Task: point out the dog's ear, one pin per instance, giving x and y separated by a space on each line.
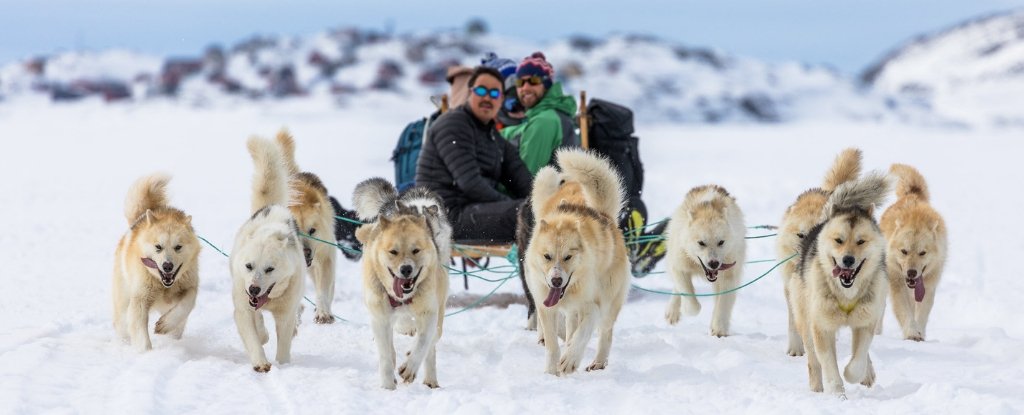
384 222
433 210
149 217
899 224
188 219
543 225
935 227
366 233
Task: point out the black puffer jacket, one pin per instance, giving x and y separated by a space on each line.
464 160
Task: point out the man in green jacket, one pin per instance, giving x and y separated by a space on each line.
549 114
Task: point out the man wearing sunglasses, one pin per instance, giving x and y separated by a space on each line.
549 113
477 174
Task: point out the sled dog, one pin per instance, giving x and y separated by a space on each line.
916 251
841 281
706 239
314 214
407 242
577 264
267 261
156 265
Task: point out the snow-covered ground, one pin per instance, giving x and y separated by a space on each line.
64 171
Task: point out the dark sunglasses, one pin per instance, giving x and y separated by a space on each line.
481 91
532 80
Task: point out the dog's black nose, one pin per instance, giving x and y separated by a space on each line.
557 281
254 291
849 260
714 264
168 266
406 270
912 273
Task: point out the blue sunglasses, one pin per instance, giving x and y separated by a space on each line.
482 92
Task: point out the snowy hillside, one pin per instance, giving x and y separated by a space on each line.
66 169
661 80
970 74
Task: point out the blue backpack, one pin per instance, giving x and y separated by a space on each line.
407 151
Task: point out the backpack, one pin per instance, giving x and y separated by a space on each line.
407 151
611 134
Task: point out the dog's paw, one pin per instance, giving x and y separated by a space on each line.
816 387
568 364
432 383
323 318
597 366
719 332
261 367
389 385
407 373
672 315
914 335
854 372
161 327
869 380
795 352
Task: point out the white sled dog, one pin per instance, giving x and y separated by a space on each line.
577 263
916 251
313 212
842 282
797 222
156 265
267 260
705 238
406 243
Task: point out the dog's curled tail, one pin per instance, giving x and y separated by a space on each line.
865 194
602 185
909 182
270 176
287 143
545 185
845 168
371 195
147 193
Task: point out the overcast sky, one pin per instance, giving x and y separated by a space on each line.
847 34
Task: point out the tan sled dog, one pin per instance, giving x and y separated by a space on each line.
156 265
267 261
311 207
577 263
842 283
706 239
916 252
405 284
797 222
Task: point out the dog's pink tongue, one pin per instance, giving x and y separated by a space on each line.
262 300
919 291
554 295
396 286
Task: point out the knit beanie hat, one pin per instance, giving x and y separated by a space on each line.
507 68
536 64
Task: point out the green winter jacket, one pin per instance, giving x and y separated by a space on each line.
543 130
